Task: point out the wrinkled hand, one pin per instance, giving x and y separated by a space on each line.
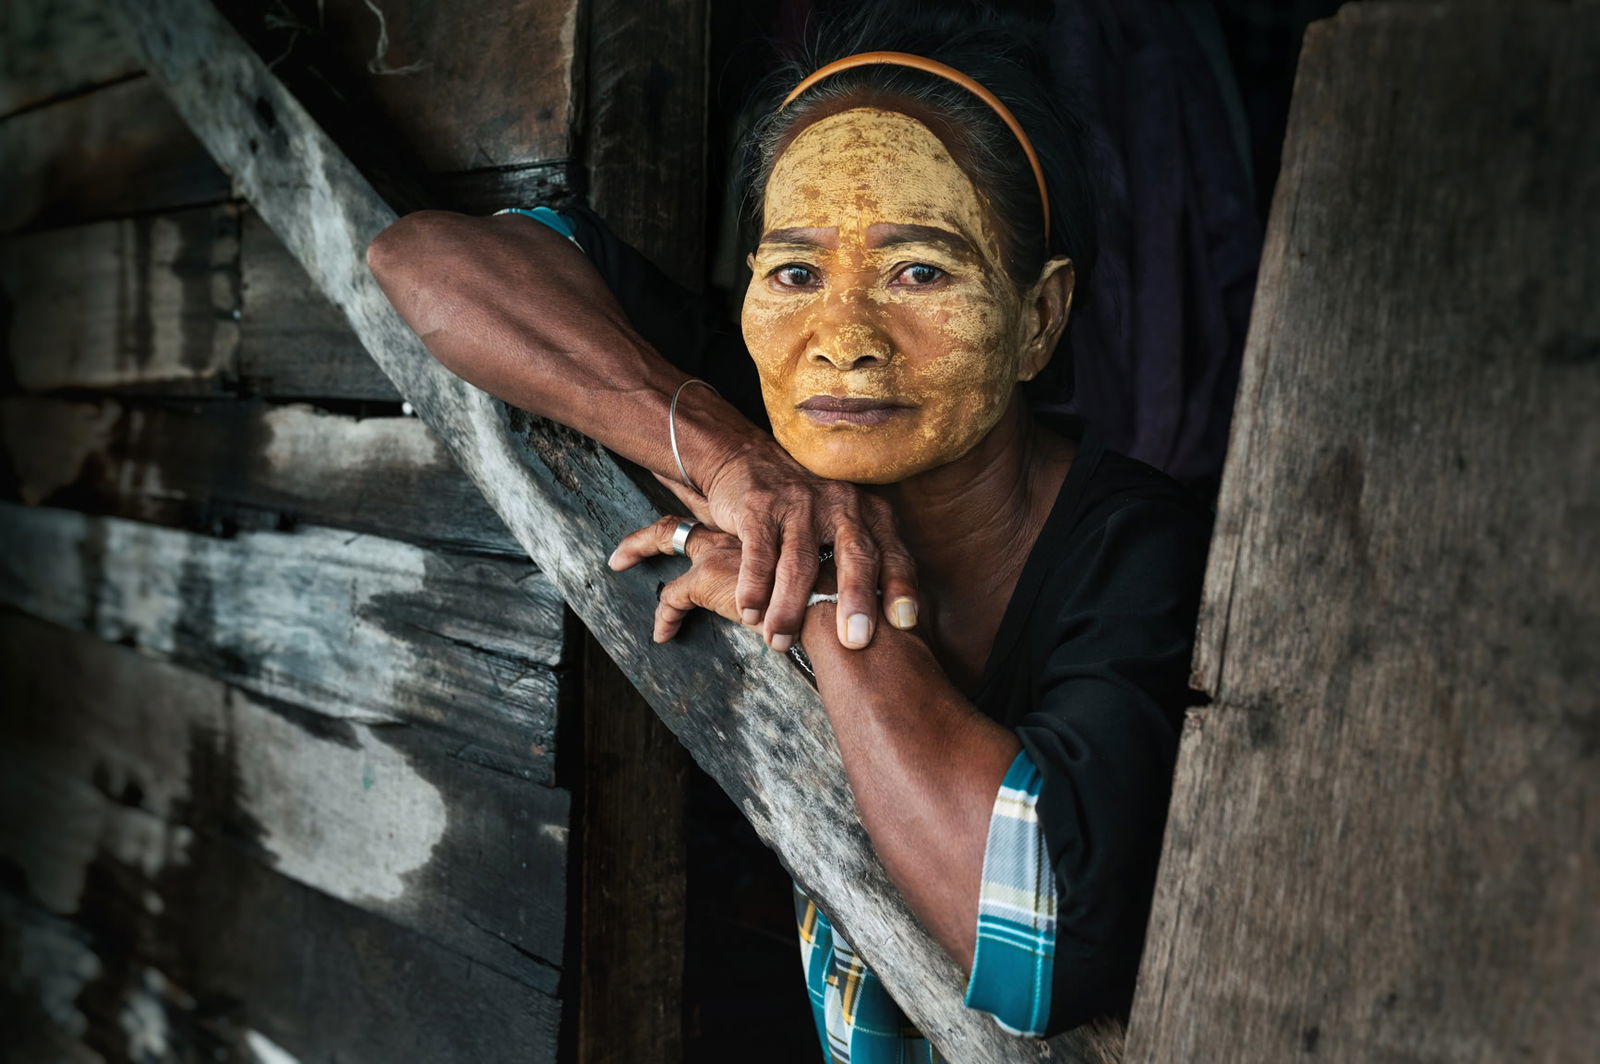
782 514
709 584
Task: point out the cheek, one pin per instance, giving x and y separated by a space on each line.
768 330
976 341
773 334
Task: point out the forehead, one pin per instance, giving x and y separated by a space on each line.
868 165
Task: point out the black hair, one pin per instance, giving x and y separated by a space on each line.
997 46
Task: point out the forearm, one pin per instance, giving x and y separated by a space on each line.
512 307
925 767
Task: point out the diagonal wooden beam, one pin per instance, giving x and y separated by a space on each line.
743 713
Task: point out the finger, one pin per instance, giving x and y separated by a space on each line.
897 572
856 558
647 542
675 604
758 564
795 576
692 500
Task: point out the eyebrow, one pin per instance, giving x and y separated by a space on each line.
806 236
879 235
888 234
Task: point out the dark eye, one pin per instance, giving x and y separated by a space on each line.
795 275
919 273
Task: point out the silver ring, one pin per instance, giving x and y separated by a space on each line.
680 538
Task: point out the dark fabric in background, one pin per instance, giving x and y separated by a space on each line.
1157 343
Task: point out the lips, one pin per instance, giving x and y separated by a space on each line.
851 410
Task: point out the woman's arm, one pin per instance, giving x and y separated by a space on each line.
925 767
511 306
1108 664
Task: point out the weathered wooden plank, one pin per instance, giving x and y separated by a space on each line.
222 466
51 48
191 302
351 626
384 818
463 87
44 964
199 950
645 138
633 902
1382 841
293 343
115 151
487 190
149 302
744 714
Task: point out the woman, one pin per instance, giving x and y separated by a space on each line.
1010 732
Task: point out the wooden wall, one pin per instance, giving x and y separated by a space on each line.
294 738
1383 840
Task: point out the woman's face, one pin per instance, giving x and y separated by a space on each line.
886 332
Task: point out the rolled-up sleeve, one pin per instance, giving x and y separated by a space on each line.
1103 736
1011 963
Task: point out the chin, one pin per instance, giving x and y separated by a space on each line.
858 465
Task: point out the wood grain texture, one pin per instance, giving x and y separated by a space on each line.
143 303
633 902
44 964
645 140
487 190
293 343
220 466
383 818
744 714
350 626
463 87
188 940
200 302
1383 840
645 135
116 151
52 48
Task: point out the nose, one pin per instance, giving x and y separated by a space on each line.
848 345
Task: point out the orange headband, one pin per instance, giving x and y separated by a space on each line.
929 66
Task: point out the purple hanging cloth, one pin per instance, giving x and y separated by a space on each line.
1157 343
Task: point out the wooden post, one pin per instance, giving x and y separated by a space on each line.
744 714
644 151
631 946
1382 843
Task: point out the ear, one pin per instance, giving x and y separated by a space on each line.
1045 308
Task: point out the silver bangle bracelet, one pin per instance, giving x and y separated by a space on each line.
672 429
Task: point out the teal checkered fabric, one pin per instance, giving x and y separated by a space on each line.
859 1023
1016 947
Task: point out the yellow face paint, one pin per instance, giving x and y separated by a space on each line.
886 333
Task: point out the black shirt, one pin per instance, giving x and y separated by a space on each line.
1090 668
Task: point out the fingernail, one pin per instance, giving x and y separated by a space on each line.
611 562
855 630
781 643
751 617
905 613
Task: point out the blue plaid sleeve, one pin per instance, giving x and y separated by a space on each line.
1011 966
